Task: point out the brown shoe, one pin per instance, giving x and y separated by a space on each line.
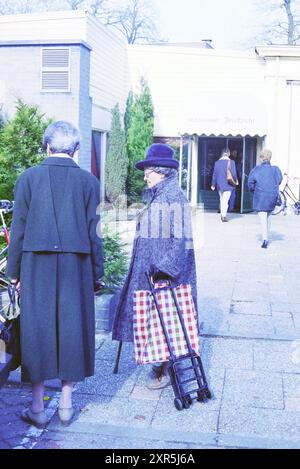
159 383
38 419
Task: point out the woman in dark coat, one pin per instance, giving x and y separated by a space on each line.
264 180
55 255
163 244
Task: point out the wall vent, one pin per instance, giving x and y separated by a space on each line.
55 70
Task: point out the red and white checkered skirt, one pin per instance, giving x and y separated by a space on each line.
150 345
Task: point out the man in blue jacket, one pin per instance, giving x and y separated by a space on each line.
220 180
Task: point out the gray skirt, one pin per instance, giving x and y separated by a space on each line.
57 316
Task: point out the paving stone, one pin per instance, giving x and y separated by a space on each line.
198 418
291 387
285 307
259 276
280 297
105 383
68 440
257 308
296 319
211 307
82 441
251 326
223 265
215 290
227 353
212 254
284 323
258 422
293 298
246 291
114 411
253 389
215 325
108 351
275 356
145 394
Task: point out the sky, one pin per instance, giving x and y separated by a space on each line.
231 24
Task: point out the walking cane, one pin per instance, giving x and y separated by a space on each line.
116 368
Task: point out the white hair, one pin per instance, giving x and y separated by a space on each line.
62 137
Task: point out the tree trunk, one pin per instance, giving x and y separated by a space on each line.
291 24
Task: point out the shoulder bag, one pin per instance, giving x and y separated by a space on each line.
230 179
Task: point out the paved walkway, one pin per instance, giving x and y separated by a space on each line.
249 307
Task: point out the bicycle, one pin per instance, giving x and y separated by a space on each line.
5 207
10 354
9 307
287 197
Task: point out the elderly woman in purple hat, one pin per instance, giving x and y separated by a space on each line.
163 244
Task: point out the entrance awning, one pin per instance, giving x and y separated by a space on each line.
223 114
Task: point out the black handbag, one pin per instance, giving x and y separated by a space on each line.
10 348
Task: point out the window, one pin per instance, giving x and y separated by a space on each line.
55 70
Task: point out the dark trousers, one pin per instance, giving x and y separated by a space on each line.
231 204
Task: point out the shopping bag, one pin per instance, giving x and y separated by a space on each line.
10 353
150 345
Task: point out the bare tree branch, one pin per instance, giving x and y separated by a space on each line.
17 6
135 21
75 4
283 21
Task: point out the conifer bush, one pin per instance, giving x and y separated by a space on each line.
20 145
140 122
117 161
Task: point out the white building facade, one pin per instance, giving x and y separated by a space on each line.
76 69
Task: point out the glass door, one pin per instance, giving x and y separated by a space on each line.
249 161
209 151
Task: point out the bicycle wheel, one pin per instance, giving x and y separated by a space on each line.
296 208
282 206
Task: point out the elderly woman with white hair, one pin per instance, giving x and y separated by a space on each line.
264 181
55 257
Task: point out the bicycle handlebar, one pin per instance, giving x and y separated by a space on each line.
291 177
6 205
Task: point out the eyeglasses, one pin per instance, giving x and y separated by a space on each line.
147 173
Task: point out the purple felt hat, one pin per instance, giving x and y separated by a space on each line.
158 154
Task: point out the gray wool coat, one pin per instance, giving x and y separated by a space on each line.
163 244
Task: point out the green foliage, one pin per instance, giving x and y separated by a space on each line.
117 161
128 112
20 145
139 137
2 121
115 261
